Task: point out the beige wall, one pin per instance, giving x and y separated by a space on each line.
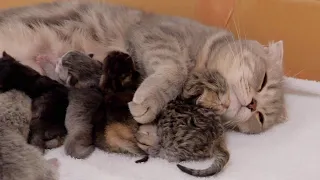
297 22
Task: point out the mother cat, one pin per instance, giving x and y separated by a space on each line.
165 50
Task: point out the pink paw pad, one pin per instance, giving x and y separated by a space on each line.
54 162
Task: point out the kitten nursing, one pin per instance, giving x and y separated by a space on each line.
49 101
18 159
102 111
181 125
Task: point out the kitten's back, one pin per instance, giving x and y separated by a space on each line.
18 159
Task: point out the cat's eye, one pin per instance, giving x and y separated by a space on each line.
261 117
264 82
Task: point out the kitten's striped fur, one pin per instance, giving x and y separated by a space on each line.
165 49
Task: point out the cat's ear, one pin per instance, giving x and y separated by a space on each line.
275 52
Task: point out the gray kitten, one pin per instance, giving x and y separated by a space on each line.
81 74
19 160
185 131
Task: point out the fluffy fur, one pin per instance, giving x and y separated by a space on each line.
186 131
18 159
165 48
49 100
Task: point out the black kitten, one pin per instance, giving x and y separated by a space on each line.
49 101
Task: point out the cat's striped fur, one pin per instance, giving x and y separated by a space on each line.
165 49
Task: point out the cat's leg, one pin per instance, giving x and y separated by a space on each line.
83 105
155 92
78 143
148 139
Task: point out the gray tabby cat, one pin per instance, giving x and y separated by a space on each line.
165 48
185 131
19 160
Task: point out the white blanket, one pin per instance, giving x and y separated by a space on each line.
290 151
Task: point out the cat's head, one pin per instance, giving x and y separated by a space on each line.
209 89
254 74
76 69
14 75
119 73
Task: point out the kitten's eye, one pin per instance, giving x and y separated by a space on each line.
261 117
264 82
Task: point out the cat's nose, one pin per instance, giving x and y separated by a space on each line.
253 105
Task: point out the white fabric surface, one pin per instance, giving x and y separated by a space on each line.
290 151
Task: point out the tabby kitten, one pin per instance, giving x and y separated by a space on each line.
49 101
18 159
106 110
165 48
188 129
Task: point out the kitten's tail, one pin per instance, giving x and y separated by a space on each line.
221 158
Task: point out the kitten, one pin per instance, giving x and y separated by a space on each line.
19 160
49 101
105 111
118 83
188 129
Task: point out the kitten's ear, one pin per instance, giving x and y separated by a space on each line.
275 51
71 80
91 55
6 56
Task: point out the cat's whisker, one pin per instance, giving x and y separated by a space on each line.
237 27
229 44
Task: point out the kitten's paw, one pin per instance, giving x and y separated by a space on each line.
54 143
78 149
54 162
147 138
144 112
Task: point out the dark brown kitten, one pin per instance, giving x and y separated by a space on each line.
49 100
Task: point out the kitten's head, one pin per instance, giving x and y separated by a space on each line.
79 70
255 75
15 111
14 75
209 88
119 73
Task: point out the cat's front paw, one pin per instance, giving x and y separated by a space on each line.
148 139
145 111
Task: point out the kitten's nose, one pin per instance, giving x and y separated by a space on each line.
253 105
